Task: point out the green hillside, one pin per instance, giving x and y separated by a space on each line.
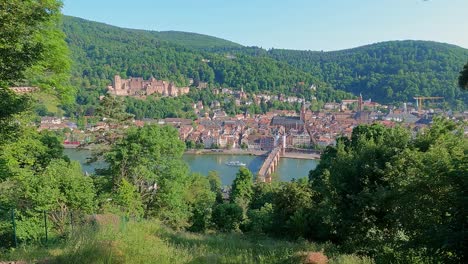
152 242
388 71
186 39
100 51
196 41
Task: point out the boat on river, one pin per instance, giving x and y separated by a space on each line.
235 163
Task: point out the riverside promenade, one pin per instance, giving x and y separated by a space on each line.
287 154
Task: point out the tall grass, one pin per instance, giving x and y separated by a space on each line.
150 242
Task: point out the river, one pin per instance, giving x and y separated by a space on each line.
288 169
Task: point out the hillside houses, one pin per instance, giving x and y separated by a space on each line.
214 128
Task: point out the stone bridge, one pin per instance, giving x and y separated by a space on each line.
270 164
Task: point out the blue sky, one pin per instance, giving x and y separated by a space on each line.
291 24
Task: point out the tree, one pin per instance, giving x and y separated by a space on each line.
215 185
10 106
190 144
432 181
151 159
32 51
227 217
201 199
128 200
112 109
242 191
60 188
263 193
32 47
291 205
463 79
21 43
34 174
394 196
261 220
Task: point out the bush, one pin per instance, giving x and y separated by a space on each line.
227 217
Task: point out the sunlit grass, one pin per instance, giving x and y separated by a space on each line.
150 242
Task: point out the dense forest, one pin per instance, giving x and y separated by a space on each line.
100 51
386 72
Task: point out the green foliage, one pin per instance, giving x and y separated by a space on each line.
392 71
128 199
291 204
151 159
100 51
201 199
59 189
228 217
159 108
28 154
215 185
34 175
21 43
261 220
242 192
263 193
194 40
76 190
190 144
463 79
32 47
112 108
360 186
10 106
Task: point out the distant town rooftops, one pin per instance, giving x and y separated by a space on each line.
286 121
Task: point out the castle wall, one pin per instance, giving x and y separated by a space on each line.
140 87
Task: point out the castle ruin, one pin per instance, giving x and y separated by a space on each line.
139 87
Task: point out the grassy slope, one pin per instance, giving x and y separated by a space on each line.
50 101
149 242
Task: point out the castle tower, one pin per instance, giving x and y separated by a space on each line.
117 82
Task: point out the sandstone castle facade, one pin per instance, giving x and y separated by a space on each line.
140 87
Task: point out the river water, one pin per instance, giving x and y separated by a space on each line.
288 169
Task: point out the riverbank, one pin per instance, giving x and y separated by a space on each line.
291 155
297 166
226 152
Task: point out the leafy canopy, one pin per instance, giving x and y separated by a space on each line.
463 79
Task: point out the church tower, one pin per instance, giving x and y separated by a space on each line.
360 103
303 111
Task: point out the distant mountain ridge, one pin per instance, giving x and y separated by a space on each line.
387 72
187 39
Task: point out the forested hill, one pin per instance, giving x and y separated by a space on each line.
100 51
387 71
189 40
